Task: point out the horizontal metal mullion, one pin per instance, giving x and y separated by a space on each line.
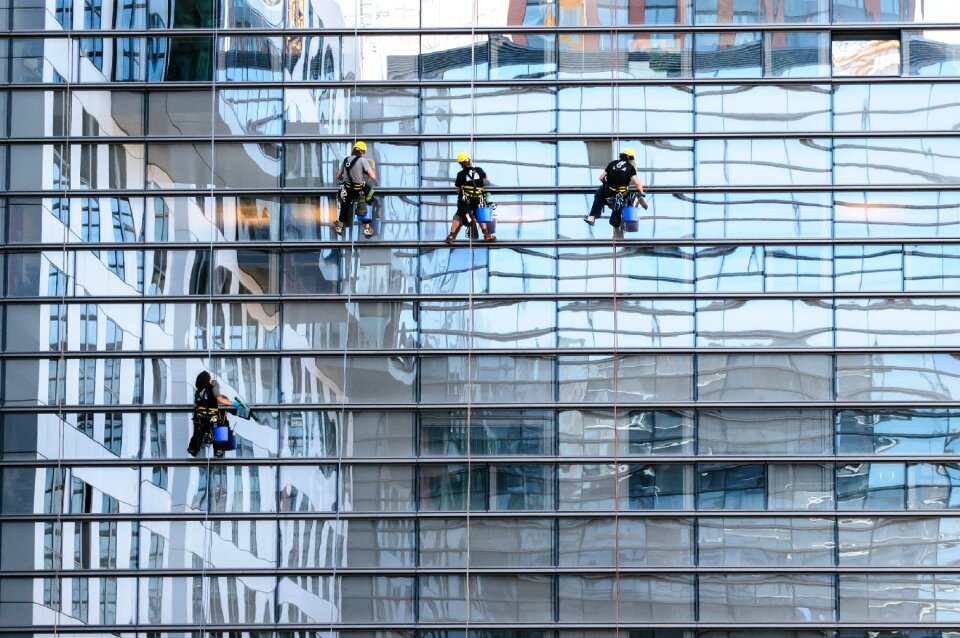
448 190
431 83
309 629
845 28
282 572
294 246
480 137
622 459
477 351
477 298
433 407
475 514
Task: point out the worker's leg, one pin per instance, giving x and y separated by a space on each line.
196 440
599 201
616 217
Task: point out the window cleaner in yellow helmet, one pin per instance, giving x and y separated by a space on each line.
470 196
352 176
615 181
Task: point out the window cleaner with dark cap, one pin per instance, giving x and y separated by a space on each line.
352 175
616 180
470 196
208 413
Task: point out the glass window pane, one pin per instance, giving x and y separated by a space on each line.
905 597
865 57
334 380
314 58
736 55
590 379
334 326
894 542
871 486
591 269
641 542
755 597
914 160
764 323
873 267
764 377
745 162
887 107
516 109
930 486
642 109
493 379
593 599
765 542
490 432
898 431
180 59
639 323
657 487
377 488
898 377
515 56
881 322
180 165
797 54
738 12
528 324
639 433
37 113
774 432
735 108
933 53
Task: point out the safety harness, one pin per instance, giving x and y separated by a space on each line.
348 164
472 190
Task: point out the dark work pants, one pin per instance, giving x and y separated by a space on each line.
600 200
346 204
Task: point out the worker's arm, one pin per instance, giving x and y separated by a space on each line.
372 174
603 176
639 184
224 401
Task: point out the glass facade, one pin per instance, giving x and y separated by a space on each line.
737 422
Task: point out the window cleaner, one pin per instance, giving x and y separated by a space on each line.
210 424
352 175
615 180
470 196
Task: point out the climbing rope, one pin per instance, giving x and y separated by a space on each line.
615 123
354 261
476 225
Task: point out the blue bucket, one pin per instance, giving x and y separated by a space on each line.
221 434
492 225
631 227
484 214
631 214
231 442
365 216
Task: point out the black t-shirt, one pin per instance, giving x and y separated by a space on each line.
206 397
473 176
619 172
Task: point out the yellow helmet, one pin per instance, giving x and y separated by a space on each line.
628 152
361 146
463 156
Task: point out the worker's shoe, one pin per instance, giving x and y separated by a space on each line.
489 237
449 239
590 219
338 227
367 232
